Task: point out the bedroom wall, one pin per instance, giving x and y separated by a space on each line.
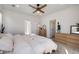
66 17
14 21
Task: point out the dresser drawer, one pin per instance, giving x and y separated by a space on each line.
67 38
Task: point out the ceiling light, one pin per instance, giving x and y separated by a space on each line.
15 6
38 12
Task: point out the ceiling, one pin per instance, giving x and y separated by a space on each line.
50 8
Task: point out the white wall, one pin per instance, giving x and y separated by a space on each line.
14 21
66 17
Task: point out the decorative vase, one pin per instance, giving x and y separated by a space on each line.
58 27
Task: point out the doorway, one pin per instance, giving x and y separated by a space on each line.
27 27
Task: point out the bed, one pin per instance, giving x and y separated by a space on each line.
26 44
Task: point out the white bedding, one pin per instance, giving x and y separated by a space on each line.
26 44
21 46
33 44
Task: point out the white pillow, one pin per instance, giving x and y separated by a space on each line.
8 35
6 43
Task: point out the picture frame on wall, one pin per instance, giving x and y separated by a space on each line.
74 29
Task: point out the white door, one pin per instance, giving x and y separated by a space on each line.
52 28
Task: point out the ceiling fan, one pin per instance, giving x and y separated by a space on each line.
38 8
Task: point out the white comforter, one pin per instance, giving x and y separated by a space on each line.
32 44
21 46
26 44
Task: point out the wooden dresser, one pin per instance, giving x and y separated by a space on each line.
70 39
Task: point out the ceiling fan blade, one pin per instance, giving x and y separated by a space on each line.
32 6
43 6
35 11
41 11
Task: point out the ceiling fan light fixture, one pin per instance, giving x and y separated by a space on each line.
38 12
38 8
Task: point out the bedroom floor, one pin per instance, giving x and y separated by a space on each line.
65 49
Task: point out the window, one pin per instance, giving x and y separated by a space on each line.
27 27
0 18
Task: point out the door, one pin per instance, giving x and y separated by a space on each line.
52 28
